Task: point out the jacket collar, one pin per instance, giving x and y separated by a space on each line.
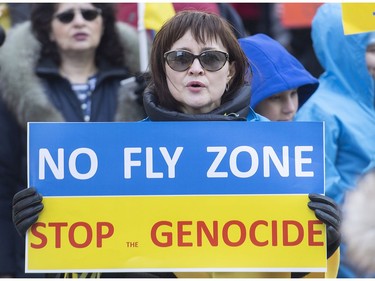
237 109
46 67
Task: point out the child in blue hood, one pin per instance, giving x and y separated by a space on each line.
280 83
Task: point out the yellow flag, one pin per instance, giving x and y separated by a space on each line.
358 17
4 16
156 14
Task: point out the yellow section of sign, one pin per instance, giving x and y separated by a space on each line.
220 233
358 17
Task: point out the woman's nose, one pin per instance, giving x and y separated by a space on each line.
196 67
78 18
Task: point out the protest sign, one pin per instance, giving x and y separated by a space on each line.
176 196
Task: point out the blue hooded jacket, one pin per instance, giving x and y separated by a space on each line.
275 70
345 102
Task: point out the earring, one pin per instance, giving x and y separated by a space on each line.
227 87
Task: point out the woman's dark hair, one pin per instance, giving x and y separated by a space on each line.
109 48
204 27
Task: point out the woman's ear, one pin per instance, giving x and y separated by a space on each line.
231 72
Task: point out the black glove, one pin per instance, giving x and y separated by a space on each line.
27 204
328 212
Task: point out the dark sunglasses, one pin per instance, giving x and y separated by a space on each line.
88 14
209 60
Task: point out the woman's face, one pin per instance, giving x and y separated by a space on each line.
82 33
279 107
196 89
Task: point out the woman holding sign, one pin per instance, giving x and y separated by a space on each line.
200 73
203 77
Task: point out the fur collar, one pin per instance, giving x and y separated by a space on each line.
21 88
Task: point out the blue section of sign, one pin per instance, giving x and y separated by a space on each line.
176 158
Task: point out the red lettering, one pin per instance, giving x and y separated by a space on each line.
71 235
181 233
252 235
41 236
213 238
58 226
311 232
104 230
101 235
168 235
233 233
286 237
242 237
274 233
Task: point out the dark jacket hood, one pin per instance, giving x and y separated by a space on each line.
237 109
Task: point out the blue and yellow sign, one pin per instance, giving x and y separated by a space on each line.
176 196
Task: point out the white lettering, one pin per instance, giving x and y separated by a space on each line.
128 162
254 161
269 153
171 162
300 161
269 156
150 174
73 162
221 151
57 170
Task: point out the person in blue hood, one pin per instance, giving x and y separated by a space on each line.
345 102
280 83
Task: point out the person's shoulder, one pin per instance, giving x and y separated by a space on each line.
20 39
124 27
128 37
255 117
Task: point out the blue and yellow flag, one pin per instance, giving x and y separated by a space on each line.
358 17
156 14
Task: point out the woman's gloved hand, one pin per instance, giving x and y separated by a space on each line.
27 204
328 212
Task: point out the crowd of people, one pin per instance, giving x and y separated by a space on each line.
67 62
